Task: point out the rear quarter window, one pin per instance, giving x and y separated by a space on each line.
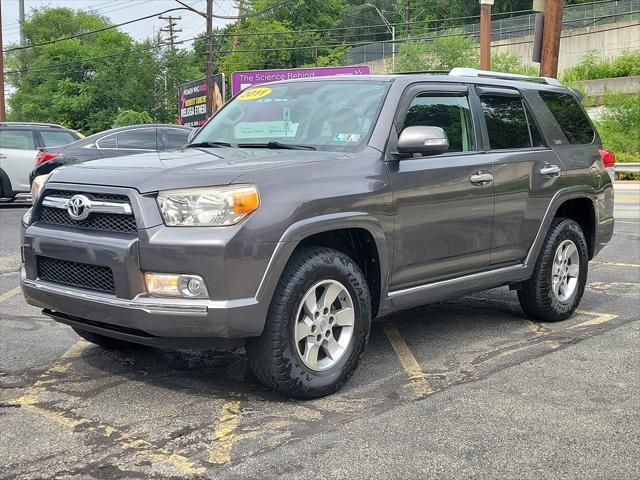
572 120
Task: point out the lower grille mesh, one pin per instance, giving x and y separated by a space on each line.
76 274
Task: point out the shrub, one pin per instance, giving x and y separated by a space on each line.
619 126
593 67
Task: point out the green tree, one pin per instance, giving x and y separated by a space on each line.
131 117
83 82
443 53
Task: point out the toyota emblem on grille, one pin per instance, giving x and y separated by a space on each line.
79 207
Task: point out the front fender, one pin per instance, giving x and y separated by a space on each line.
302 229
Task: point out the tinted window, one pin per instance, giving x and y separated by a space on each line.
569 115
107 142
506 122
53 139
452 114
176 138
137 139
17 139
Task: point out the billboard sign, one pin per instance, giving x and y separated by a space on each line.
192 100
242 80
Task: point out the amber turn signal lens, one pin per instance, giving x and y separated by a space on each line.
245 202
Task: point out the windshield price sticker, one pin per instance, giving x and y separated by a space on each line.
254 93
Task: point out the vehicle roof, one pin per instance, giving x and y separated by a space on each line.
32 125
408 78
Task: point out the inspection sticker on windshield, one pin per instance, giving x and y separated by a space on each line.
346 137
254 93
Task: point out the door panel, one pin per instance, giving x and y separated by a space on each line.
444 203
526 172
444 222
17 157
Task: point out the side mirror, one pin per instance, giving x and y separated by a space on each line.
192 134
424 140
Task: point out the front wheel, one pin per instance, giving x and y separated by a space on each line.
556 287
317 326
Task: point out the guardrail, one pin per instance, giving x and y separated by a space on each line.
630 167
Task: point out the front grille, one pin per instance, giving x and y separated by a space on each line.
108 222
108 197
75 274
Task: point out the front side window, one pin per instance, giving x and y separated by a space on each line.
54 139
335 115
143 139
570 116
451 113
17 139
509 124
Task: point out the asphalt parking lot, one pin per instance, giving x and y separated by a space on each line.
467 388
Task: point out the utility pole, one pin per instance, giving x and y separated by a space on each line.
485 34
3 111
170 30
407 18
21 21
209 65
551 38
236 39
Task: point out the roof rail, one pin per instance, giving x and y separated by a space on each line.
31 124
472 72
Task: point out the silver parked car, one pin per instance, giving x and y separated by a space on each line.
19 146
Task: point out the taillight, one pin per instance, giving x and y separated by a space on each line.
45 157
608 158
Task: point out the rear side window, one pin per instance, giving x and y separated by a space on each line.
17 139
450 113
509 123
176 138
570 116
53 139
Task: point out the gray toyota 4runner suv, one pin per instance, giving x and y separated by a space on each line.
304 209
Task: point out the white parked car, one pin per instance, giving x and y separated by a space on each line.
19 146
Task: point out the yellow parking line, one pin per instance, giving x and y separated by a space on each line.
599 318
225 434
408 361
9 294
614 264
144 449
538 328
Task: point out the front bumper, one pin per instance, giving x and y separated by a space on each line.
234 269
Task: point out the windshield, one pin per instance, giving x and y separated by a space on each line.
330 115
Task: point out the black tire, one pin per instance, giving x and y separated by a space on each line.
273 357
535 295
104 341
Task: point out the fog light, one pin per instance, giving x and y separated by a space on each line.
174 285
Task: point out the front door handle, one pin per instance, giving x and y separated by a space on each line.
550 170
481 178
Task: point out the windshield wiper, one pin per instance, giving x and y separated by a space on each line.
208 144
277 145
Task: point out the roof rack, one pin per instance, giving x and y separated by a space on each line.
472 72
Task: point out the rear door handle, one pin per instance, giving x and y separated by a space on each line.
550 170
481 178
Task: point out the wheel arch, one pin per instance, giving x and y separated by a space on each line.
583 212
358 235
5 185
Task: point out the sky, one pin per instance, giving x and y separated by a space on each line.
120 11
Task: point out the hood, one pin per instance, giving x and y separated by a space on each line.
191 167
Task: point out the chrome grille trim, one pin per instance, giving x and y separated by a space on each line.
94 206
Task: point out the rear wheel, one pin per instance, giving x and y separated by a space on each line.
556 287
104 341
317 326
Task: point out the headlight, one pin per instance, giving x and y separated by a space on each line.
215 206
37 185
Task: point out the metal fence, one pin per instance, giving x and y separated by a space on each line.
574 16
